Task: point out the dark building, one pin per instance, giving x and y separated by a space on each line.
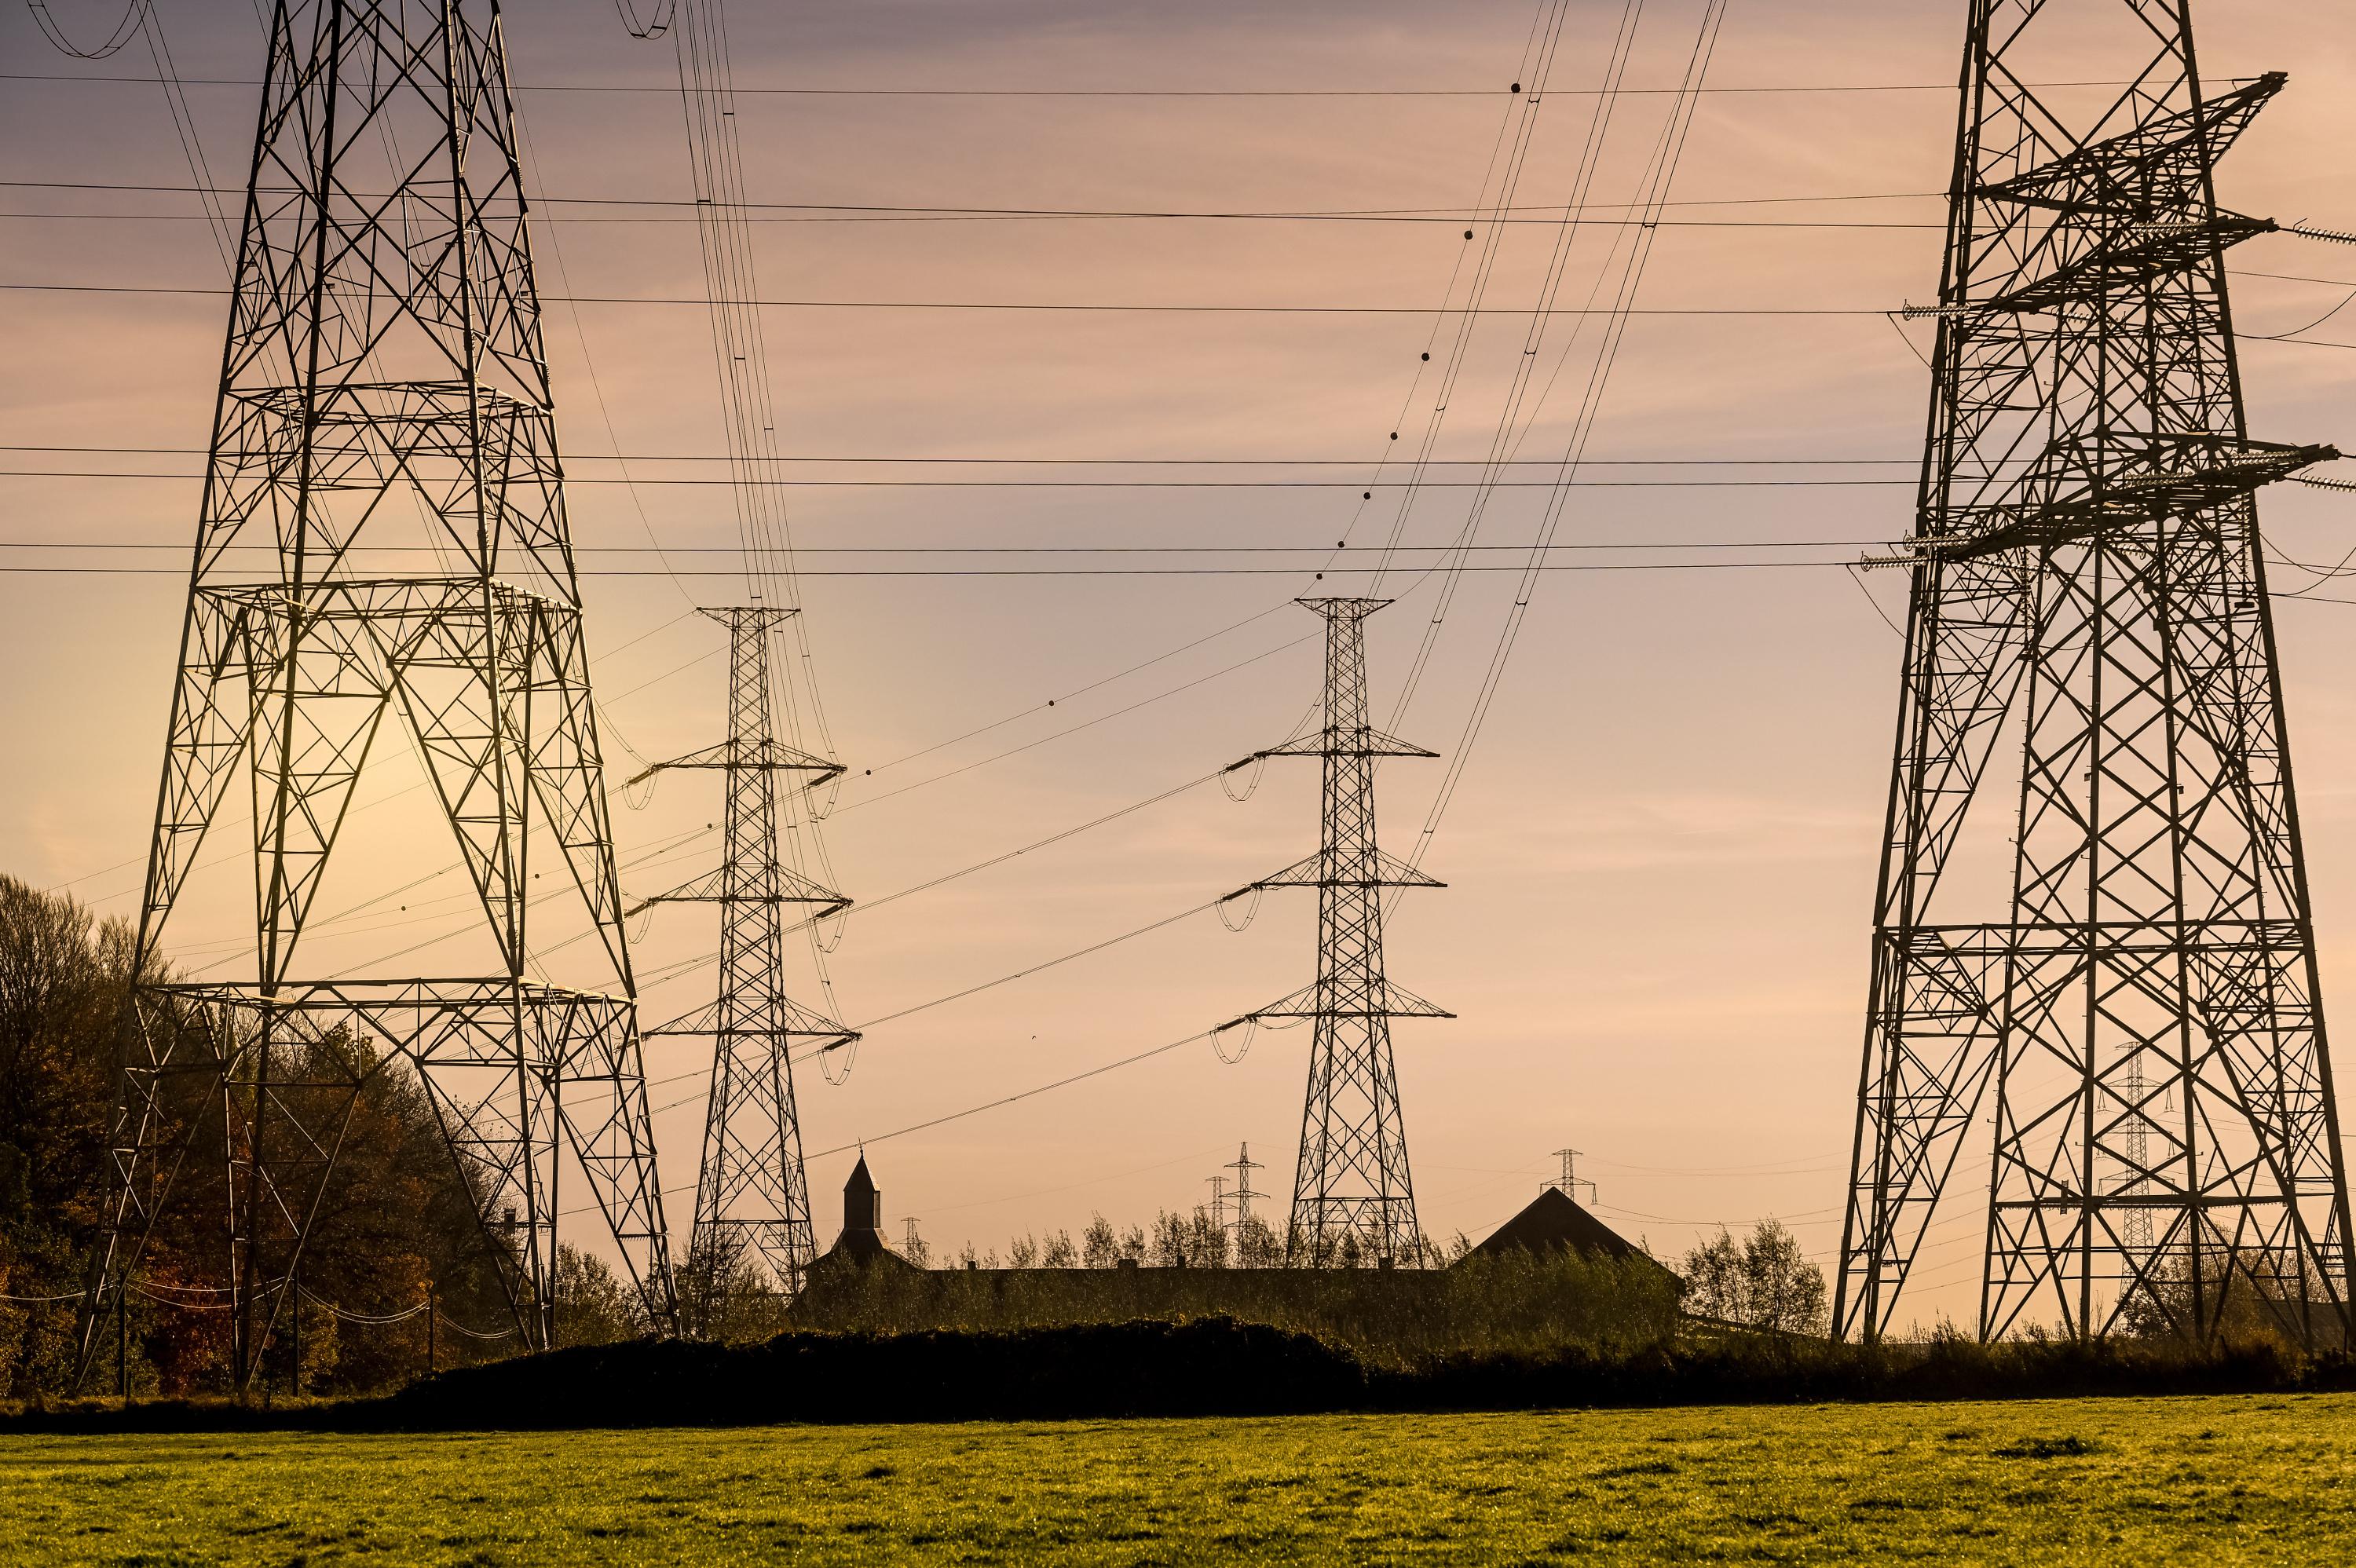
862 1215
861 1244
1554 1222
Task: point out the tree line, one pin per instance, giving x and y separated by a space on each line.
395 1229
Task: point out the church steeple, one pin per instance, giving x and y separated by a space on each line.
863 1214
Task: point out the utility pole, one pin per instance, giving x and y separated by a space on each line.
1350 1191
752 1202
1242 1191
2087 583
382 546
1569 1182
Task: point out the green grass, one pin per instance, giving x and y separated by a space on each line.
2214 1480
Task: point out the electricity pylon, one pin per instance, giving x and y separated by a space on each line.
1351 1193
751 1204
384 397
2087 583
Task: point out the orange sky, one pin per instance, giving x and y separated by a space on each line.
1660 858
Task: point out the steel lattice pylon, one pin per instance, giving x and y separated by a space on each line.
1350 1191
2143 1020
751 1204
384 400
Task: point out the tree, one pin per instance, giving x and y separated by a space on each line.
1256 1244
1099 1248
2243 1294
1060 1253
593 1305
1023 1252
396 1217
1169 1246
1713 1275
1206 1241
1762 1282
1784 1291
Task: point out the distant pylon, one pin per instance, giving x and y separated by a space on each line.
2089 597
751 1203
1218 1203
1570 1182
1242 1192
382 543
1350 1191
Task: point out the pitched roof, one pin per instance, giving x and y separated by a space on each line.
1555 1222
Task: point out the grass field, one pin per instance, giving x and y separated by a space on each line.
2215 1480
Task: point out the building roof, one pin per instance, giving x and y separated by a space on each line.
862 1238
1555 1222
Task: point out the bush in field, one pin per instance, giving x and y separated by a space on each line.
2244 1294
1762 1282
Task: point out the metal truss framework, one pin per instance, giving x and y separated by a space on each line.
1352 1194
2143 1022
751 1204
384 374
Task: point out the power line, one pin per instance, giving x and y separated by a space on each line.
866 214
671 89
1483 212
1076 571
1451 546
1127 462
1039 571
1107 307
635 481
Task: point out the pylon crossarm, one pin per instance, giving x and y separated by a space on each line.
2171 478
776 758
2133 257
1324 870
784 1019
2115 173
1345 740
715 888
1383 999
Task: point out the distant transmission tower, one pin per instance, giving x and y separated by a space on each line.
1570 1182
1242 1192
751 1204
382 543
1351 1193
2087 583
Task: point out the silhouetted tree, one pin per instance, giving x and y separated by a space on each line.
1763 1282
395 1212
